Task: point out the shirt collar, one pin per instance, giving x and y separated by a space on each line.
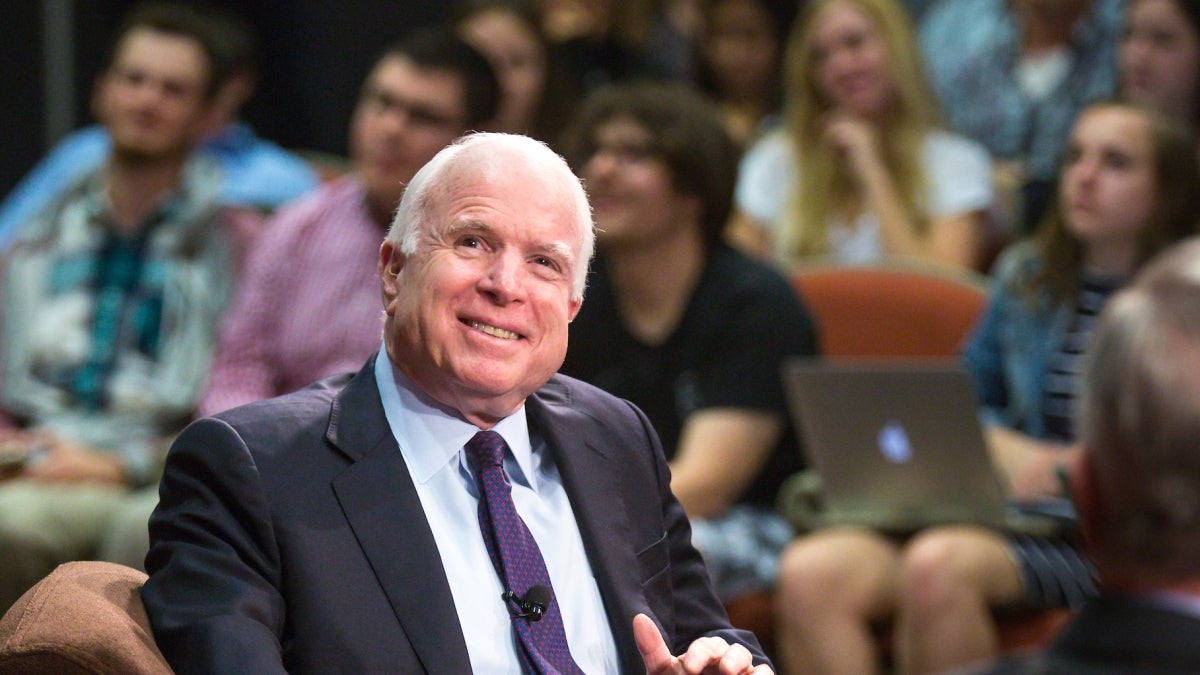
177 207
432 436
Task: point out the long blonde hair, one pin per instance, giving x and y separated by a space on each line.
825 186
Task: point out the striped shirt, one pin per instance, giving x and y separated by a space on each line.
1063 374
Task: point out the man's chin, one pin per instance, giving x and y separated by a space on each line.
144 153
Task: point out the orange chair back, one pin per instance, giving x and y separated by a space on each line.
890 311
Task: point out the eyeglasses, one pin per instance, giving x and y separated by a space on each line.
379 102
625 153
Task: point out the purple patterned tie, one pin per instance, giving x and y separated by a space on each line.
517 559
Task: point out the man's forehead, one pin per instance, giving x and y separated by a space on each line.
400 75
142 48
621 128
143 42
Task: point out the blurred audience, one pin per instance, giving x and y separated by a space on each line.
423 92
1136 483
509 34
1013 75
256 173
1159 58
862 169
1128 189
111 300
740 46
684 326
598 42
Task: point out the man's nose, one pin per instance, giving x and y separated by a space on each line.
502 278
601 164
1084 170
395 120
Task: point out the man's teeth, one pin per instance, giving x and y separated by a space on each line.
495 332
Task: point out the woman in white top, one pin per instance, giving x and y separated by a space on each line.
861 169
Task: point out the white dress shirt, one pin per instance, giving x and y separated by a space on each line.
431 439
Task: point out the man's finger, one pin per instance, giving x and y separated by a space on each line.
650 643
737 659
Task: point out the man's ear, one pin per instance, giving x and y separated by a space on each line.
391 261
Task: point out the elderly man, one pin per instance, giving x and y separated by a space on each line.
352 525
1136 485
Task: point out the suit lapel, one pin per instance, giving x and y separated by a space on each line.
590 480
381 504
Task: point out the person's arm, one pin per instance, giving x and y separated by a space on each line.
951 240
73 156
1031 466
720 452
54 459
724 445
213 594
957 239
765 177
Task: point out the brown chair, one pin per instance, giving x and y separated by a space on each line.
894 310
84 618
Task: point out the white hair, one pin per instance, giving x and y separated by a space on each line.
414 215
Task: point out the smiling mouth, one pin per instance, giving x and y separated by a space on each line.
493 331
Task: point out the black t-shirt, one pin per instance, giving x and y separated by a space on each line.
741 323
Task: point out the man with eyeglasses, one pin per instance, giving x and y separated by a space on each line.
684 326
422 93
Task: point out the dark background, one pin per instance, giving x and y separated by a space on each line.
315 55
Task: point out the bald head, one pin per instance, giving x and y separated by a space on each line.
483 156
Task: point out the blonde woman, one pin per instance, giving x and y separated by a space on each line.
862 169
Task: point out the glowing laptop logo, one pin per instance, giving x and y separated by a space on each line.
894 443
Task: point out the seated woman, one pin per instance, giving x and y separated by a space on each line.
1159 57
509 34
862 169
741 61
1128 188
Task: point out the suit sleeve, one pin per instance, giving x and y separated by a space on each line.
685 604
213 594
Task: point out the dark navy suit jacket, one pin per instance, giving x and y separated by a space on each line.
1114 636
289 536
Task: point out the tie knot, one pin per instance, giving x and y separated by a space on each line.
485 449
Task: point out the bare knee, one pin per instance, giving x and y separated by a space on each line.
850 573
947 568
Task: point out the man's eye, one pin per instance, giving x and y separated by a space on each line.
470 241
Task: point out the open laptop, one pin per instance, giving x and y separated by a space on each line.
899 447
